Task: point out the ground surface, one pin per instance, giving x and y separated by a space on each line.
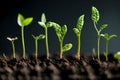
68 68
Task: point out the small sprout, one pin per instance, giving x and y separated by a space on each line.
61 32
117 55
107 37
45 26
36 38
22 22
4 55
13 46
77 31
95 18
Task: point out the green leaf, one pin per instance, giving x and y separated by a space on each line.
41 36
112 36
103 27
117 55
49 24
80 22
43 18
67 47
95 14
41 24
64 30
20 20
27 21
76 31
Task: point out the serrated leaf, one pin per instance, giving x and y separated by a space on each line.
117 55
43 18
107 36
20 20
49 24
103 27
27 21
64 30
80 22
67 47
95 14
76 31
41 24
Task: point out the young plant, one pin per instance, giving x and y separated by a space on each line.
61 32
77 31
45 26
13 46
22 22
117 55
36 38
95 18
107 37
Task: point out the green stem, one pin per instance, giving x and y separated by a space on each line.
79 46
36 48
23 42
61 51
13 47
46 41
107 42
95 27
98 46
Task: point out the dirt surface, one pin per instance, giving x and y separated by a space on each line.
68 68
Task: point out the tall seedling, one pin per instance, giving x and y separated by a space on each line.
45 26
22 22
61 32
95 18
77 31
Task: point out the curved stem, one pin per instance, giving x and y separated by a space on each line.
23 42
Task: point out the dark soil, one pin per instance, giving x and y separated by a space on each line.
68 68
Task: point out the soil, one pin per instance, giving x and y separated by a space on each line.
68 68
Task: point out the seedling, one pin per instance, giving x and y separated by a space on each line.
61 32
77 31
13 46
22 22
45 26
107 37
36 38
95 18
117 55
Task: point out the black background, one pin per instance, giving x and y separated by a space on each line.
62 12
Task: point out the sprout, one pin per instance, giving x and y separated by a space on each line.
36 38
22 22
45 26
61 32
117 55
95 18
77 31
107 37
13 46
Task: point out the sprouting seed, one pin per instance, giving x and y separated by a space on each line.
107 37
13 46
36 38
